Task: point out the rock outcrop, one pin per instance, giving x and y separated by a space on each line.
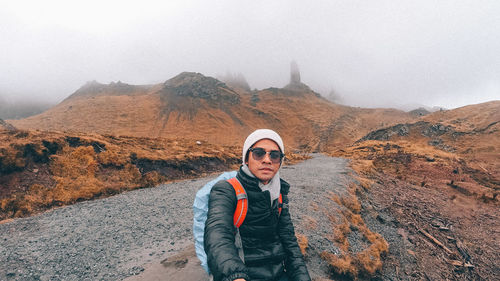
426 129
189 92
294 73
196 85
235 81
419 112
295 84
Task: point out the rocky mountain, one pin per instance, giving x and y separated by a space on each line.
419 111
194 106
439 178
189 92
467 137
466 130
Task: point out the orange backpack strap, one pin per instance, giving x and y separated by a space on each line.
280 204
242 205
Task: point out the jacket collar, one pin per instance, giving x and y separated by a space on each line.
252 183
247 181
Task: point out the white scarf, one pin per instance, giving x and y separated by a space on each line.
273 186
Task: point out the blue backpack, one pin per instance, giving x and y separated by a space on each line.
200 210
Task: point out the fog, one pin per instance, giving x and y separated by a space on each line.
369 53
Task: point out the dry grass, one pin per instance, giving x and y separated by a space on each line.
292 158
456 148
303 243
309 223
366 262
457 162
367 151
46 169
423 165
413 161
471 117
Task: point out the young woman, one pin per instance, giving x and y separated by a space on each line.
268 248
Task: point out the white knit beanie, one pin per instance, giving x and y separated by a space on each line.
261 134
274 185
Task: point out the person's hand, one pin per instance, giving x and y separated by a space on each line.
239 279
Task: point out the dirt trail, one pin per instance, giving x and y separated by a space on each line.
312 183
120 236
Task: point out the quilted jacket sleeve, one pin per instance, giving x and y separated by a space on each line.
295 265
222 255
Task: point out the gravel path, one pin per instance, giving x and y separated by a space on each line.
113 238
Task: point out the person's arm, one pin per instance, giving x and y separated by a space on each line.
222 255
294 264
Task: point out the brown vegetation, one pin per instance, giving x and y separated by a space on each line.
350 263
441 182
303 243
421 165
41 170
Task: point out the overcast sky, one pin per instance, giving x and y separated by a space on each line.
372 53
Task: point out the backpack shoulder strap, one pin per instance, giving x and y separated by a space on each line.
242 206
280 204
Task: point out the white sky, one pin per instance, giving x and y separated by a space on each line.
372 53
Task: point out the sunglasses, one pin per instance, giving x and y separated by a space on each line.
259 154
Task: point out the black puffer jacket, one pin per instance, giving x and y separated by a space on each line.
269 243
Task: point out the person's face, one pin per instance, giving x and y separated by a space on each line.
264 169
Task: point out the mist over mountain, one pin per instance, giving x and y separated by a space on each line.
195 106
374 55
235 80
22 108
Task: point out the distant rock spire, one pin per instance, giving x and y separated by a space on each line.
235 81
295 84
294 73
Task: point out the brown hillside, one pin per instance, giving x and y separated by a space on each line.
194 106
472 133
468 118
6 126
440 179
40 170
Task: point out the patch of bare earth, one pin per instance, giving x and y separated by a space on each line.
446 212
454 236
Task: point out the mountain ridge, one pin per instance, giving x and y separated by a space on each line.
94 88
195 106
